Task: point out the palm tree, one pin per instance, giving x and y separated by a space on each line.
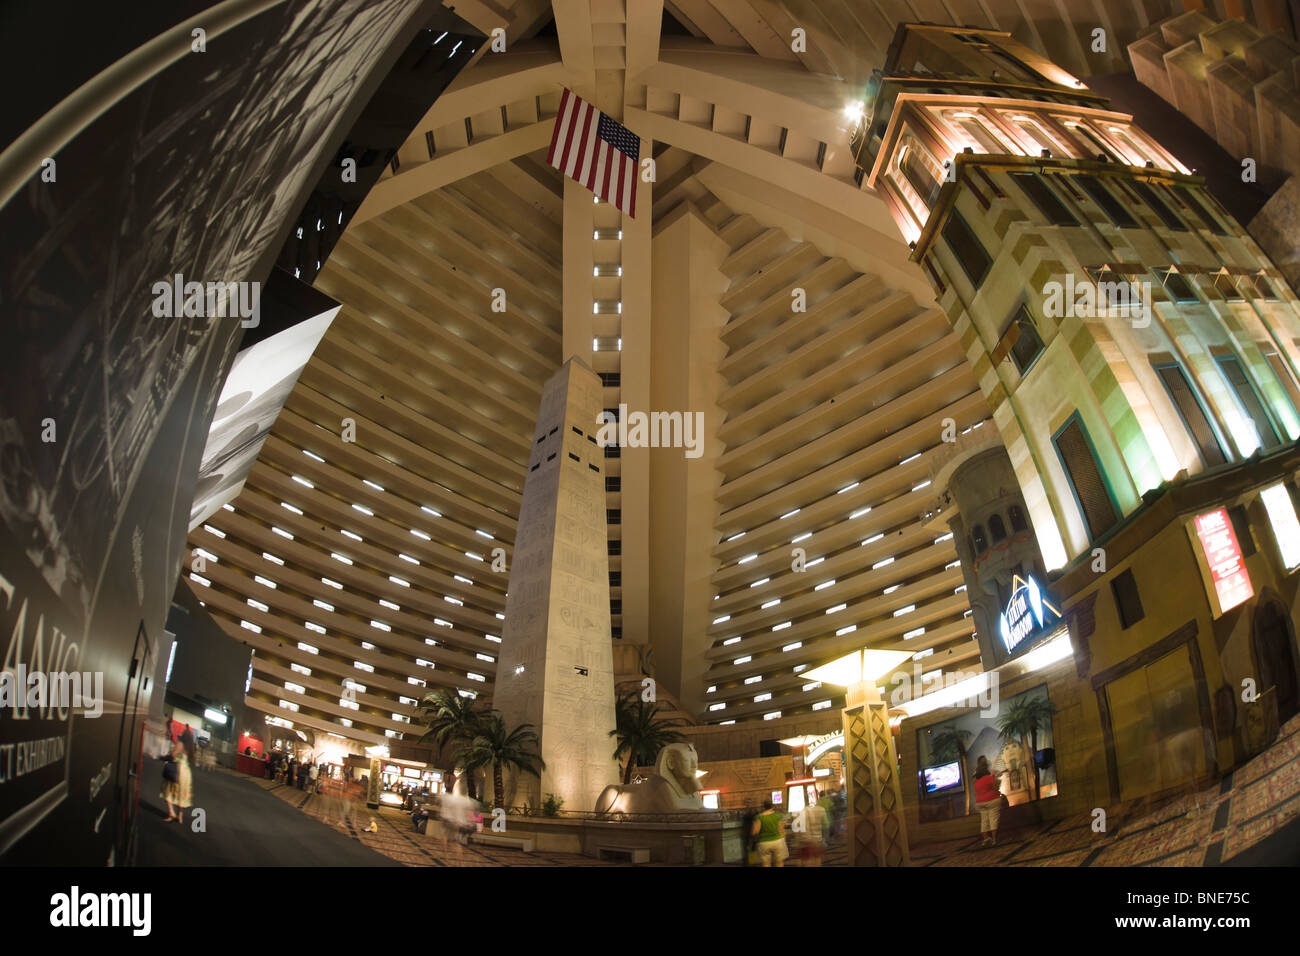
949 743
453 721
641 735
1024 718
494 746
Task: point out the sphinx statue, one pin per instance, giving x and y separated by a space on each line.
674 786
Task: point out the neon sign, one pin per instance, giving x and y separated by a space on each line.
1027 613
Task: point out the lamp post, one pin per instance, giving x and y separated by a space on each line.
877 827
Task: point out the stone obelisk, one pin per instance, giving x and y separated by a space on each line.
556 669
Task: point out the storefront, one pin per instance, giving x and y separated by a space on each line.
400 778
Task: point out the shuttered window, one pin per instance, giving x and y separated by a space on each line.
1193 415
1075 451
974 260
1282 373
1249 399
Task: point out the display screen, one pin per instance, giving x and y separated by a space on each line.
942 777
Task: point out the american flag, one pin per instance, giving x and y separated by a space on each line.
592 149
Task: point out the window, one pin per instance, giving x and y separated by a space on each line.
615 579
615 608
1200 212
919 175
611 451
1241 528
1027 346
613 516
1179 289
1044 197
1193 414
1249 399
997 529
615 546
974 260
1099 149
1226 287
980 541
1127 601
613 483
1074 448
1104 198
1158 206
1018 522
1280 372
609 379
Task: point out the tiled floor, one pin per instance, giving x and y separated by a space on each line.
1205 828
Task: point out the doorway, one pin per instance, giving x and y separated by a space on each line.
1274 640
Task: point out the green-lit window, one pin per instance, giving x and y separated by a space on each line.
1249 399
1191 411
1074 448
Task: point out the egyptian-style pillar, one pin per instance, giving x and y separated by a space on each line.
556 670
877 830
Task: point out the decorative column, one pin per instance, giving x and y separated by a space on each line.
877 831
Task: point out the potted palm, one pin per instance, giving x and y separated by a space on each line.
948 743
452 720
640 732
499 748
1024 718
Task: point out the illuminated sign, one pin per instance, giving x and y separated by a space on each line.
822 744
1286 529
1223 560
1027 613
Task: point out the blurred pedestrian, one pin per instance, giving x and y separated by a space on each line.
178 783
988 800
769 830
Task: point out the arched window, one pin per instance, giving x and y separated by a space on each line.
981 542
1018 522
997 528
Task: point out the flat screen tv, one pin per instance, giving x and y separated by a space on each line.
943 777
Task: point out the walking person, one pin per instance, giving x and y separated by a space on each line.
769 829
747 828
178 784
813 821
988 800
